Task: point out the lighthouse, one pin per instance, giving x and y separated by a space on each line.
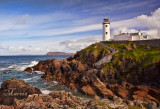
106 29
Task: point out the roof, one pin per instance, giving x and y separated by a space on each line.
134 34
106 21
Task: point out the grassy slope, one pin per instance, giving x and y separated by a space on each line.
138 57
93 49
143 55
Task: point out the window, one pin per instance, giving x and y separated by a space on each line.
106 33
106 26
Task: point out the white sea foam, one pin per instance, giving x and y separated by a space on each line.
55 82
2 69
46 91
27 79
20 67
39 72
23 67
35 78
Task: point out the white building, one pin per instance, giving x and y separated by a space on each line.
130 36
106 29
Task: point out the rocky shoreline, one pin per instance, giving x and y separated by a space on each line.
125 80
14 98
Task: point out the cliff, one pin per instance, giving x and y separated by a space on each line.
59 53
132 72
16 94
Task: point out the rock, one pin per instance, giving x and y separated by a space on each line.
66 98
130 103
88 90
98 107
117 99
56 99
96 98
6 107
14 88
152 105
79 73
137 102
71 73
29 69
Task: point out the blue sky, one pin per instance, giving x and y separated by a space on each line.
39 26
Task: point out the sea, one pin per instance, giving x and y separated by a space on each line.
14 66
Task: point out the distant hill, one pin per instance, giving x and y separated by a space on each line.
59 53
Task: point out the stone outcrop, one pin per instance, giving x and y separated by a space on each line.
14 88
55 100
72 74
135 92
6 107
65 100
121 77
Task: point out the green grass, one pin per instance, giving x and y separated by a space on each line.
137 107
134 107
100 103
109 107
145 105
137 56
94 49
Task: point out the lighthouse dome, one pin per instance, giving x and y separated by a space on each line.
106 21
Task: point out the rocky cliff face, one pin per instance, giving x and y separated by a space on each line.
14 88
133 73
64 100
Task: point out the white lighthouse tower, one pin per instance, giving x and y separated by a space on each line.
106 29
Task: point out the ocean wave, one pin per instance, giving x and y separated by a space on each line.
32 78
2 69
20 66
39 72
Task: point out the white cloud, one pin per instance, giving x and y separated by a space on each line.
68 31
152 22
46 25
23 49
78 44
24 19
143 21
123 30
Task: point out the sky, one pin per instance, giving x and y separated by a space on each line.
35 27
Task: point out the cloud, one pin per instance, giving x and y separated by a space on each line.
151 22
24 49
59 27
24 19
31 26
142 21
80 43
68 31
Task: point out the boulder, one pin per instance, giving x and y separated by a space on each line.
29 69
88 90
14 88
6 107
56 100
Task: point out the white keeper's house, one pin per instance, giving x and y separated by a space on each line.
130 36
122 36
